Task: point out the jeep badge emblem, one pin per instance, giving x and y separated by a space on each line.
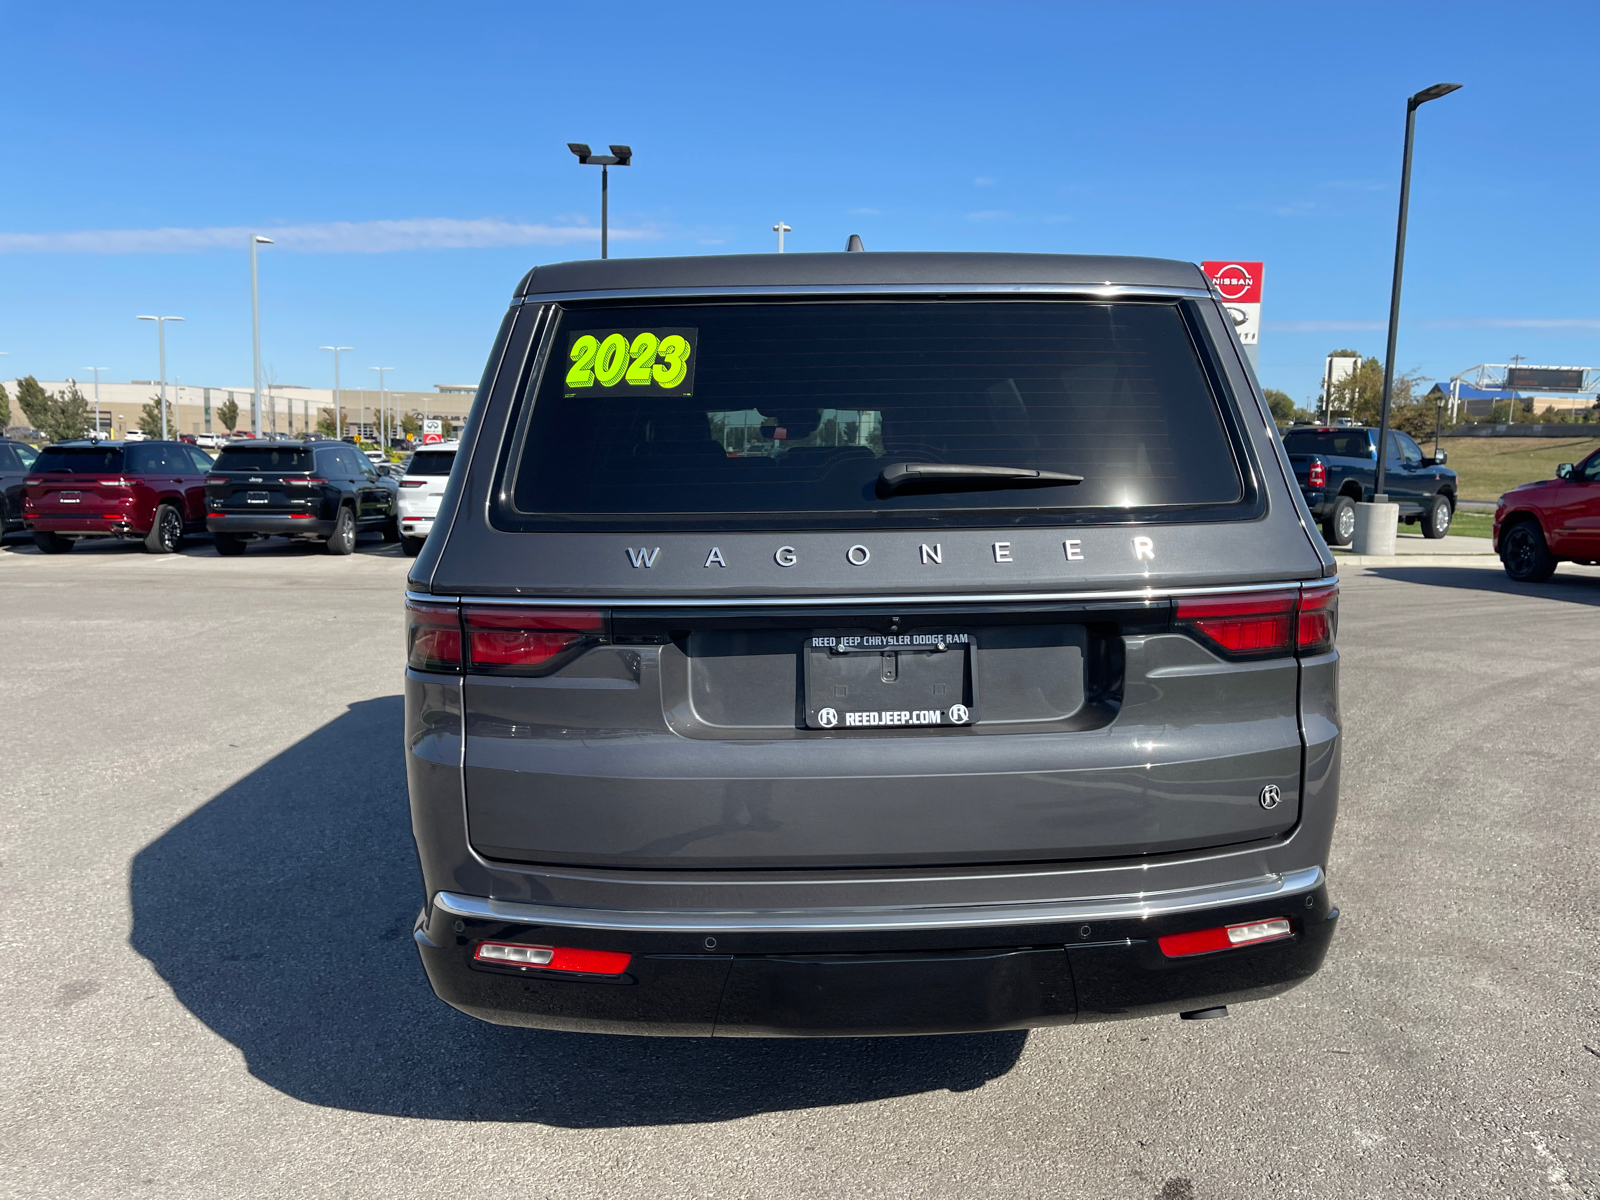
1271 797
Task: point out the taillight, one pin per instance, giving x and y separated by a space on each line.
32 479
117 482
1224 937
1318 475
413 483
305 482
1245 625
1319 618
527 641
1264 624
433 637
553 958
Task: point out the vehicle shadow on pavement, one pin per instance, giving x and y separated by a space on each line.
280 913
1574 588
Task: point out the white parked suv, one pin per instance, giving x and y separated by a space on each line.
420 491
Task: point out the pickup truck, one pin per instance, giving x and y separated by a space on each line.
1337 467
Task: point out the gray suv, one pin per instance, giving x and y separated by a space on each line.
848 644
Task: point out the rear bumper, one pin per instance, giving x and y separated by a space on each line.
267 524
840 973
416 526
126 527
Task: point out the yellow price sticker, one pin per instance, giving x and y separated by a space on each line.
658 361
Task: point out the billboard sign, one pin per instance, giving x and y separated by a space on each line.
1544 379
1239 286
433 426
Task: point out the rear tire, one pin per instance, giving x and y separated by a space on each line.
343 538
229 545
1340 527
391 529
1436 521
51 543
166 531
411 546
1525 554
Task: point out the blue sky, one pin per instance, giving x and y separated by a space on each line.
410 159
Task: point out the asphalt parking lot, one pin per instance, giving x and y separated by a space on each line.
212 989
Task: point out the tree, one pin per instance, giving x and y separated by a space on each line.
150 418
62 418
5 409
34 401
1282 406
325 421
410 425
228 414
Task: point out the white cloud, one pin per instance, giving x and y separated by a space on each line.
983 181
990 214
1322 326
1583 324
330 237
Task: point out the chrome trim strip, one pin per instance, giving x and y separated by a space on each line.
1102 291
842 920
800 601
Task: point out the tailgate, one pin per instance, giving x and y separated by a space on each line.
1036 733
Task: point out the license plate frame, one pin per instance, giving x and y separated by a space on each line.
258 497
857 681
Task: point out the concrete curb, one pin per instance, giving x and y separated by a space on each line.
1417 560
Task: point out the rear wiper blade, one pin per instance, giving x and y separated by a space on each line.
957 477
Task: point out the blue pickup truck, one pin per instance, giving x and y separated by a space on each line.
1337 466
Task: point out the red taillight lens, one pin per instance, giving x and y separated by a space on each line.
1251 624
128 483
1263 624
512 641
413 483
1225 937
433 637
1318 475
553 958
1319 618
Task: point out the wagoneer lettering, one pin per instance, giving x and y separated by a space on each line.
691 790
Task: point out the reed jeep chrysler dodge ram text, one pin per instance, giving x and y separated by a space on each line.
849 644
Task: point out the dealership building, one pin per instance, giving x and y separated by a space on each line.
285 410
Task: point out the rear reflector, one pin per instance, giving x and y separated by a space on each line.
527 641
1224 937
433 637
1317 477
554 958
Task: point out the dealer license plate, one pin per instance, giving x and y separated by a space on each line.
889 681
256 497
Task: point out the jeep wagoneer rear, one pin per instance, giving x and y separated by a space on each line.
869 644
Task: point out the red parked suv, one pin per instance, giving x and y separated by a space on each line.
153 492
1540 524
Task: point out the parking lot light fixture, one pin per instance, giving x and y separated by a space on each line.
383 403
255 333
161 349
780 229
97 371
1412 104
620 156
336 406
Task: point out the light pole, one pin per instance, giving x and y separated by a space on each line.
97 371
780 229
382 402
336 406
620 156
1414 103
255 332
161 345
1516 361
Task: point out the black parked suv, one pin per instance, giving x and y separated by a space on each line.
318 490
16 460
850 644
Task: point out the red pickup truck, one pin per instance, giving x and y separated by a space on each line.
1540 524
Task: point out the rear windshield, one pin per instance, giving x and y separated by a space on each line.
431 462
263 458
760 410
1339 443
86 459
